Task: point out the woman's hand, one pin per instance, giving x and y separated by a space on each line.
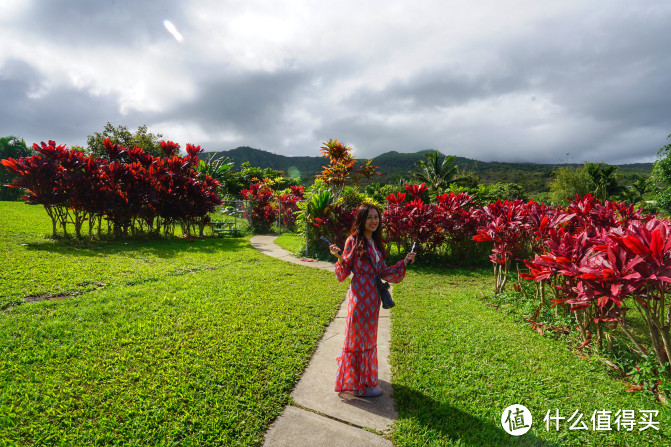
410 258
335 251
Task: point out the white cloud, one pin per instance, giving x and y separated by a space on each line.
12 9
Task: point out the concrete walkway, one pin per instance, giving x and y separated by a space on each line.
319 416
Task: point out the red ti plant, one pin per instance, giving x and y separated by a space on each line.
134 185
41 176
116 177
395 221
146 183
604 280
336 224
627 213
504 225
200 194
297 191
170 148
263 212
416 190
590 215
649 244
183 198
422 223
456 220
559 266
88 196
81 181
543 220
288 205
413 221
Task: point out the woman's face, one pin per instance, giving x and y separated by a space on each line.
372 221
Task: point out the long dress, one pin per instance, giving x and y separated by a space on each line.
357 364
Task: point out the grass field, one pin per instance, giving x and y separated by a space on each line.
458 363
290 241
178 342
163 342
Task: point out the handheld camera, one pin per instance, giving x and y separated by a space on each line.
328 243
414 247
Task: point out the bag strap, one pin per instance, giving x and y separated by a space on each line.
370 261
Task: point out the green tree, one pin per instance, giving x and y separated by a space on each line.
151 143
11 147
636 189
234 182
437 174
661 178
499 191
466 179
569 181
603 180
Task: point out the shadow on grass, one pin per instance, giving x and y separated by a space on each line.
160 247
453 424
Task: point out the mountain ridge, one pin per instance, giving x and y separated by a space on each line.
393 165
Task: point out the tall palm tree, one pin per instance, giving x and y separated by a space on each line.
437 174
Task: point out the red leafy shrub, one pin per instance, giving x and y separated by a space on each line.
297 191
602 259
395 223
639 260
504 225
263 210
414 221
132 188
42 177
288 205
416 191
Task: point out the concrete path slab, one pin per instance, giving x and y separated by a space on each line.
300 428
315 389
265 244
326 418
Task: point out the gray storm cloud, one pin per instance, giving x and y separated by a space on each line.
507 81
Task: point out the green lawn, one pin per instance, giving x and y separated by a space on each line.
35 265
167 342
457 363
178 342
290 241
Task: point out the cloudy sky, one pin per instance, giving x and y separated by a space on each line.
506 80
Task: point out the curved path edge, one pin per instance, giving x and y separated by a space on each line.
319 416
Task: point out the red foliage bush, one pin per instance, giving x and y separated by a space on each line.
133 188
263 211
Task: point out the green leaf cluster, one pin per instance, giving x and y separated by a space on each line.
661 178
151 143
11 147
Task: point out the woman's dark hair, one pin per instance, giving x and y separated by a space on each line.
358 228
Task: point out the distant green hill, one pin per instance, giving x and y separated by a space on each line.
392 165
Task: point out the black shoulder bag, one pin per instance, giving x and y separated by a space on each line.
382 287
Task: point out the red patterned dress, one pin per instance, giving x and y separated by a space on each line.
357 365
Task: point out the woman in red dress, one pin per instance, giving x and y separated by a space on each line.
364 256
